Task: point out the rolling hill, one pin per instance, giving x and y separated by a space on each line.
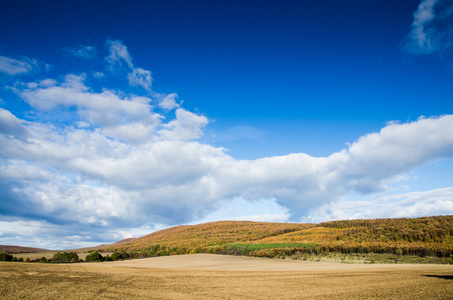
192 237
20 249
427 236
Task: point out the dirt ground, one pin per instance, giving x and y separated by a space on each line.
204 276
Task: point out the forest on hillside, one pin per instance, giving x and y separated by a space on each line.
427 237
423 237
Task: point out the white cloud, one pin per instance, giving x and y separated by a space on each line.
174 181
10 125
265 218
422 16
13 66
118 54
43 83
119 57
118 116
119 162
187 126
140 77
413 204
83 51
432 28
98 75
399 148
169 102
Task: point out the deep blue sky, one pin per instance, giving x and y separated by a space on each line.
265 78
320 72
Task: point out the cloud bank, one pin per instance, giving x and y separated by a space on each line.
120 160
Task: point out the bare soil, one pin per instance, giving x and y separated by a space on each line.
204 276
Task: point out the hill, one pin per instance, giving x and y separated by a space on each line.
427 236
102 246
19 249
195 238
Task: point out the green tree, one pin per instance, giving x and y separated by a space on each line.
5 257
124 254
108 258
65 257
57 256
94 256
115 256
69 257
119 255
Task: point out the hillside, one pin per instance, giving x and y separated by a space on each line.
18 249
428 236
102 246
192 237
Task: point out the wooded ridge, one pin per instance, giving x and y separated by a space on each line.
427 236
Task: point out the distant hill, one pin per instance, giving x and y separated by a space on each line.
18 249
428 236
212 234
423 237
124 241
103 246
121 242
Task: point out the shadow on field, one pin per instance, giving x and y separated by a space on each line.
446 277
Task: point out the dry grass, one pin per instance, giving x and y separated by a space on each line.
223 277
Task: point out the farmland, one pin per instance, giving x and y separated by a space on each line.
205 276
382 258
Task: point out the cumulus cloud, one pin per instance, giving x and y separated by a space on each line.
173 181
140 77
432 28
13 66
126 118
43 234
119 162
186 126
10 125
169 102
405 205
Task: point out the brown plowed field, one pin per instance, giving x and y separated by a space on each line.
205 276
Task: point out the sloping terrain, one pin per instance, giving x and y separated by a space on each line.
18 249
211 234
428 236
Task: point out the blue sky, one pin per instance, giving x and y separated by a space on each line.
117 119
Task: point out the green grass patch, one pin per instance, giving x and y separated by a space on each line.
246 248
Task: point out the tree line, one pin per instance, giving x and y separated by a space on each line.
72 257
58 257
